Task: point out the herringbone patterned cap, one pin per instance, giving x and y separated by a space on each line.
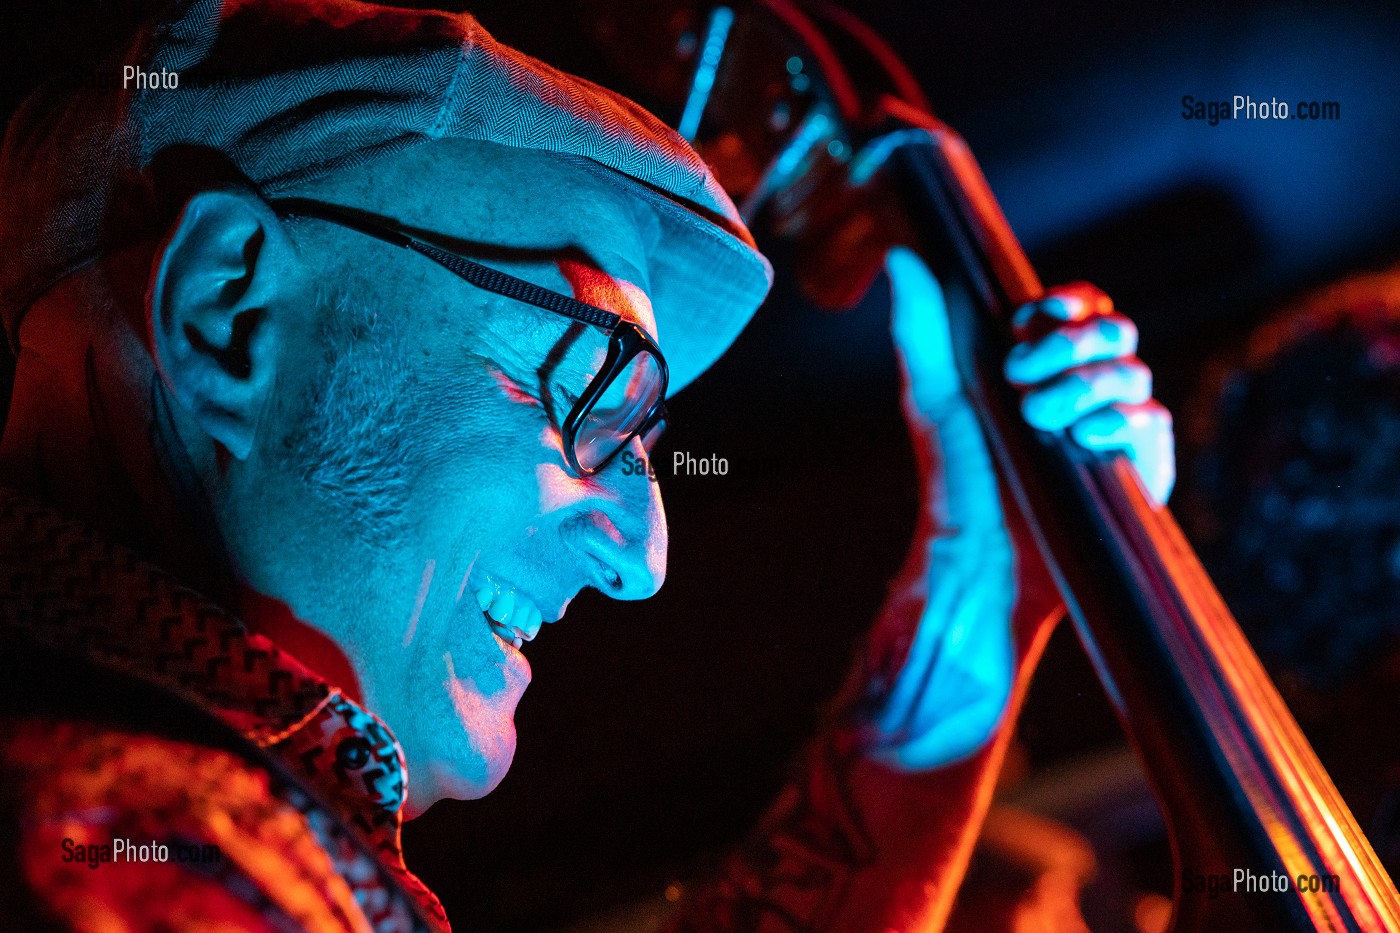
291 90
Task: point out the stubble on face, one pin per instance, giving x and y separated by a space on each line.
350 439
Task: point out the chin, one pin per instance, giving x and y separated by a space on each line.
460 749
462 777
495 765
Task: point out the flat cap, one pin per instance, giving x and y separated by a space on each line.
292 90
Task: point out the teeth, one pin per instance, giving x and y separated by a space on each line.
514 615
502 607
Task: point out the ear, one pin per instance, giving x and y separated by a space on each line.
215 322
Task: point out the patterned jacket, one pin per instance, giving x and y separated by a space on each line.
163 768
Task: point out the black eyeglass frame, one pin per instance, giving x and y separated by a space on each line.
625 339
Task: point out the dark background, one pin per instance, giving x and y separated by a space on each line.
654 733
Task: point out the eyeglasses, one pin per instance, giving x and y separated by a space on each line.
623 400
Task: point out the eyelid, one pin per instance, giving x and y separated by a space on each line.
513 390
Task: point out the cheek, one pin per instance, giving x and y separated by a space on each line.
489 471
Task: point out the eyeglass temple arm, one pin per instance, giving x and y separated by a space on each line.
484 277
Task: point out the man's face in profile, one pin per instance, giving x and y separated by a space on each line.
407 494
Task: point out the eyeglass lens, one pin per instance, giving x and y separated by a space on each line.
619 412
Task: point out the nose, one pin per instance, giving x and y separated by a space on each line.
624 535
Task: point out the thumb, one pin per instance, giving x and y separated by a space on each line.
919 325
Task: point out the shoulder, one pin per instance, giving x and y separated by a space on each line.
112 823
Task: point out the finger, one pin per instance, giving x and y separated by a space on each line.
1121 425
1143 432
1057 404
1102 338
1077 301
919 324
